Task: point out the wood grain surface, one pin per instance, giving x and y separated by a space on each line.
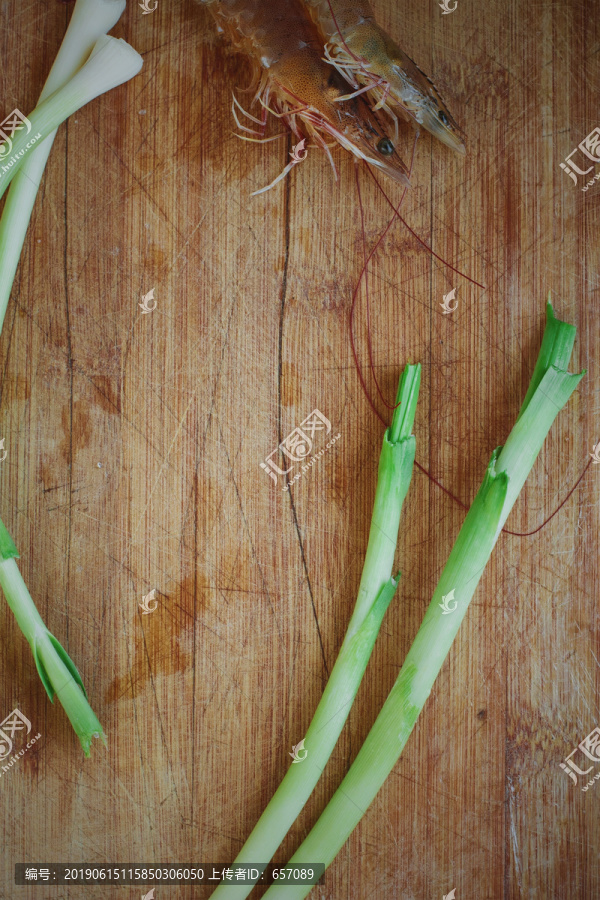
134 445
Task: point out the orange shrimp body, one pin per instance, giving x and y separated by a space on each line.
291 76
364 53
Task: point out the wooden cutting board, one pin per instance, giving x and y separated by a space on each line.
134 443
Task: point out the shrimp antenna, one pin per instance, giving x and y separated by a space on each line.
339 30
364 274
419 239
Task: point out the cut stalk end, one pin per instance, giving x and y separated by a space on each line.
406 404
60 677
556 349
55 667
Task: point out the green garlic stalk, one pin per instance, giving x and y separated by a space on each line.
90 20
111 63
550 388
71 83
375 592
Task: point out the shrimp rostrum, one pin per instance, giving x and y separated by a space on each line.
292 80
366 55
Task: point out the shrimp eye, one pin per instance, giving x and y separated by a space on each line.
385 147
443 117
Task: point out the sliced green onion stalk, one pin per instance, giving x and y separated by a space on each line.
90 20
376 589
111 62
55 667
551 386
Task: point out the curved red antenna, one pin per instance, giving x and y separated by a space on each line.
364 274
415 235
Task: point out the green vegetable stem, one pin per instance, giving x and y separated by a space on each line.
376 589
550 388
88 63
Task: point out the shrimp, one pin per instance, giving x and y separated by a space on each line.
365 54
292 81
